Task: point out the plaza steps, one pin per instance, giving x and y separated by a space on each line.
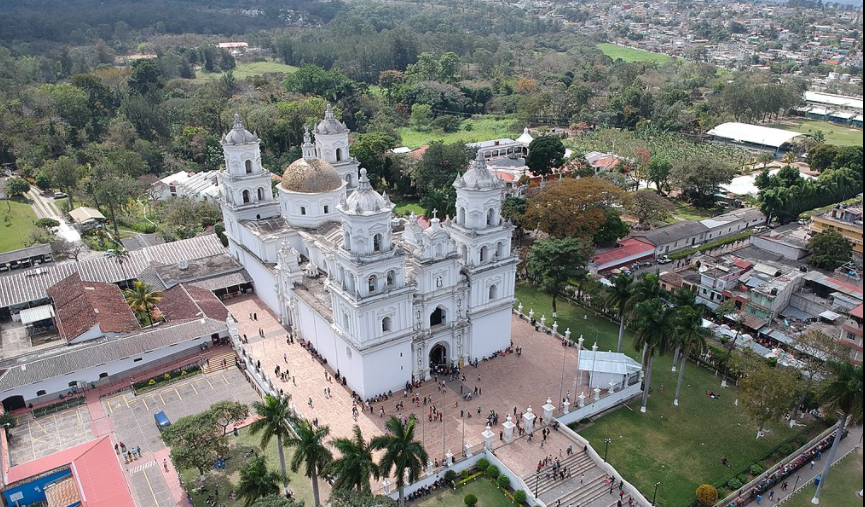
590 494
215 363
577 463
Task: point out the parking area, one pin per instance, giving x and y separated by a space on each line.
35 438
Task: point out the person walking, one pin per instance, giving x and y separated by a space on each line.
165 464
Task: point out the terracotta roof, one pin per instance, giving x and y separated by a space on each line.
183 302
95 466
81 305
629 248
856 312
418 153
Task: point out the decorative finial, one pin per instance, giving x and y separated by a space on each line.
328 113
238 125
434 213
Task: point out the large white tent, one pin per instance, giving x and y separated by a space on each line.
754 134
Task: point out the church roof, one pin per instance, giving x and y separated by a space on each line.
310 176
525 137
365 199
238 134
330 125
478 176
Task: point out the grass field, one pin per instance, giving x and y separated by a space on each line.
226 479
835 134
404 207
16 223
245 70
842 488
680 446
483 129
615 52
488 496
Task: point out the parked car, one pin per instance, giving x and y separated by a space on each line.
162 421
60 195
665 260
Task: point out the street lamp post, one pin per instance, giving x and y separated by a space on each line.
655 495
607 443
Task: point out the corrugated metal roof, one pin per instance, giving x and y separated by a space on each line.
607 362
31 315
33 285
25 253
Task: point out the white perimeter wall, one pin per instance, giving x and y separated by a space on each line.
264 280
490 332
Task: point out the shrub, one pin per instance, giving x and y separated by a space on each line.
786 449
470 500
450 476
482 464
743 478
520 496
492 472
801 440
464 474
503 481
707 494
734 484
756 469
151 382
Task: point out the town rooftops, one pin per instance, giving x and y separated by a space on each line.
671 233
25 253
185 302
82 305
84 214
857 312
631 249
754 134
834 100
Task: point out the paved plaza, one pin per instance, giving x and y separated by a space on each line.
545 370
34 438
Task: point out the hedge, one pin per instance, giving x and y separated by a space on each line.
681 254
165 378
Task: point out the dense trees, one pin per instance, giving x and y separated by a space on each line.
554 263
829 250
545 154
572 207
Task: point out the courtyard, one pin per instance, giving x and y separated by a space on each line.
36 437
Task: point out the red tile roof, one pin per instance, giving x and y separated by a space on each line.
184 302
81 305
96 468
629 248
856 312
418 153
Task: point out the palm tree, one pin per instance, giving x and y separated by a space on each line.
119 255
274 415
311 451
142 298
355 465
652 333
618 297
841 393
256 481
690 337
401 452
789 158
647 288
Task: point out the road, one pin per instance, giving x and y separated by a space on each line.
46 207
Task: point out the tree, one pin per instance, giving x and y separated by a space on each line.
228 412
195 441
43 181
401 452
648 206
841 393
141 298
513 209
572 207
690 338
617 298
65 173
470 500
766 158
352 498
355 466
818 350
274 416
421 117
653 329
659 174
310 450
68 249
146 78
442 201
822 157
388 80
449 65
119 255
370 151
47 223
707 494
276 500
829 250
545 154
612 228
554 262
700 176
256 481
439 165
849 157
313 80
16 186
765 391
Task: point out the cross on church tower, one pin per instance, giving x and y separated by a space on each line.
434 212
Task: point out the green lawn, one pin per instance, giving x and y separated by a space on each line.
245 70
482 129
226 479
16 223
685 211
405 206
680 446
835 134
488 496
632 55
842 488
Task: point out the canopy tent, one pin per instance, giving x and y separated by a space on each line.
754 134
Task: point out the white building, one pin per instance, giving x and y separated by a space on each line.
382 307
203 186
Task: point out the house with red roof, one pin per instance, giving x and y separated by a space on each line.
629 251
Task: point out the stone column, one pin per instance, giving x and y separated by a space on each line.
449 457
468 449
548 411
555 327
529 420
612 386
568 334
544 322
597 393
509 430
582 399
520 309
488 438
531 314
566 405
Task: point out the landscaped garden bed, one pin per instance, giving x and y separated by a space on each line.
166 378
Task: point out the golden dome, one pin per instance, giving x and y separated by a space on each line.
310 176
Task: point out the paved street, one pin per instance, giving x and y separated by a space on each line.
46 207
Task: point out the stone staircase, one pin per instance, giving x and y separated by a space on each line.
577 463
216 362
592 493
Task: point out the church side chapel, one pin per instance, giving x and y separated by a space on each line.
382 306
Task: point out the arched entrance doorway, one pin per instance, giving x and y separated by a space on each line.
13 403
438 358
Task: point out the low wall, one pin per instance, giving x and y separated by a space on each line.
605 403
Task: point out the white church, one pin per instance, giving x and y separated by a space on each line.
383 307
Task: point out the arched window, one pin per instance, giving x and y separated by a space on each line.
500 250
260 194
339 154
439 250
385 324
348 179
345 321
248 165
246 197
494 292
346 240
464 252
483 254
490 217
376 243
391 278
372 283
461 216
438 317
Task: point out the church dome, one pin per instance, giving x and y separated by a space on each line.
310 176
478 176
330 125
365 199
238 134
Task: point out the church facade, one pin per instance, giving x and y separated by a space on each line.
384 300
